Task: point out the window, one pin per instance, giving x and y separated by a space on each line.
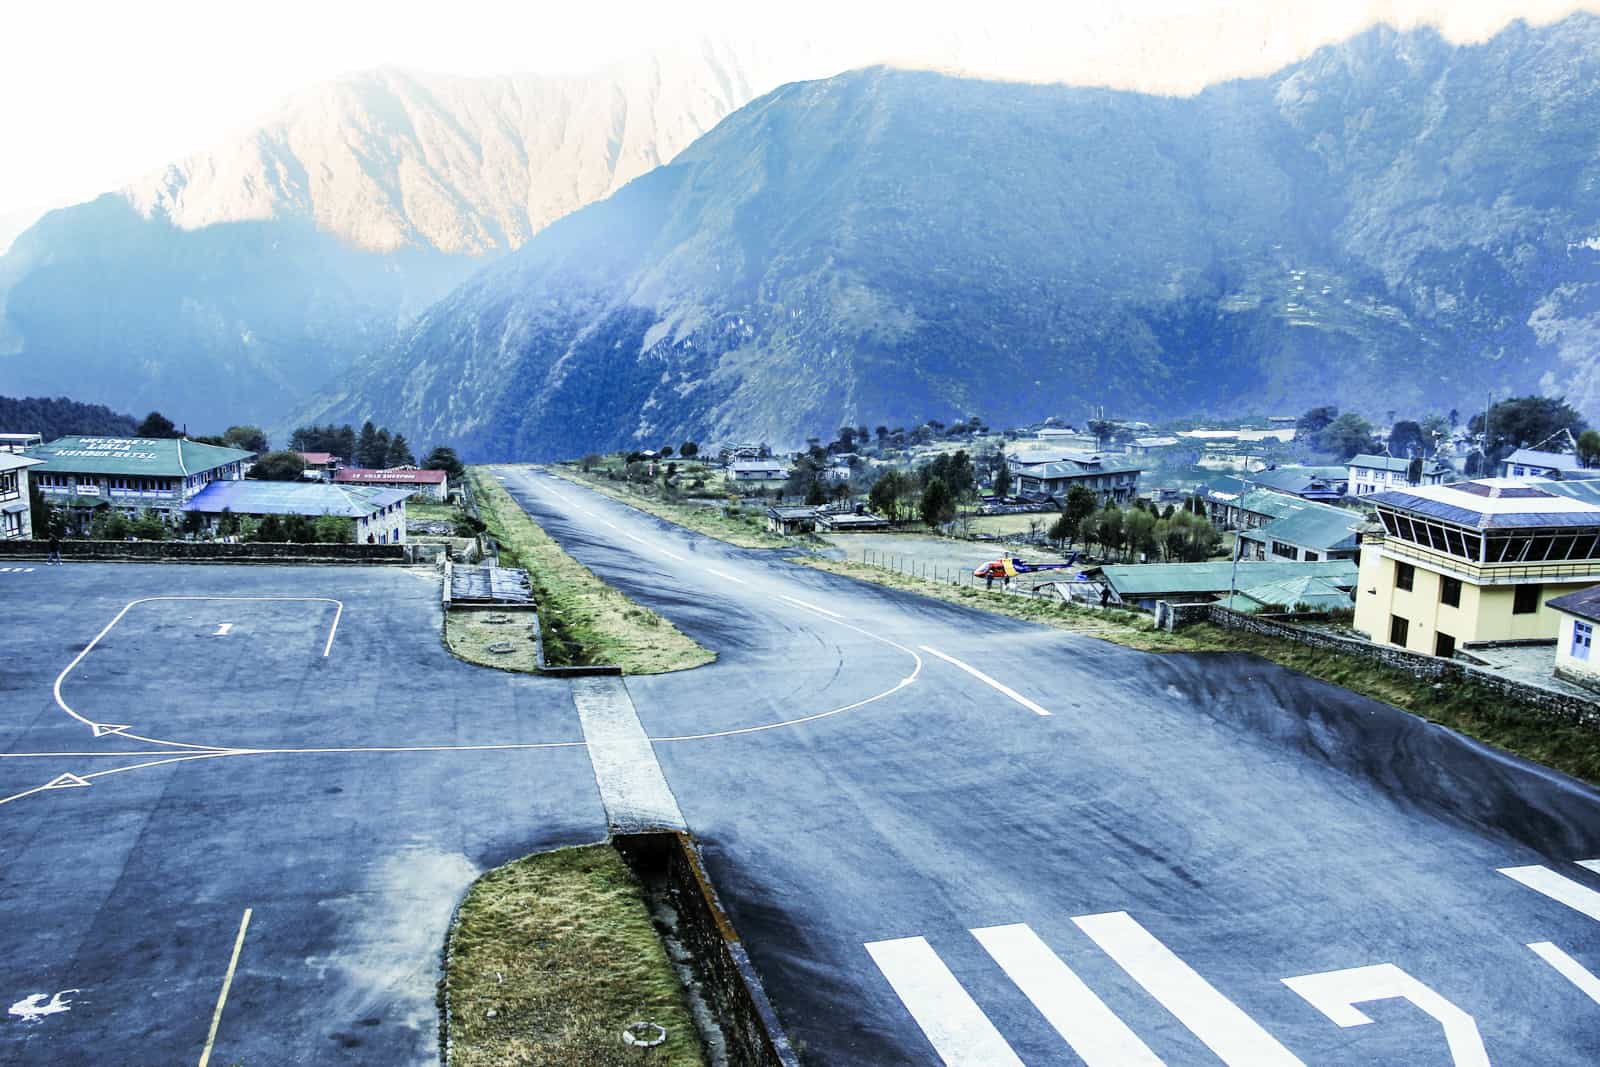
1450 592
1527 600
1444 646
1405 576
1310 557
1582 639
1399 630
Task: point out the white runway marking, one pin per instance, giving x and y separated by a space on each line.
102 729
1590 865
957 1028
1218 1022
222 629
988 681
34 1008
1336 994
724 576
227 983
1095 1033
1559 888
1569 968
809 606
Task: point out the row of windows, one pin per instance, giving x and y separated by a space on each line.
1525 600
1540 547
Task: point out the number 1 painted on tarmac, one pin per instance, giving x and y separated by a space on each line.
222 629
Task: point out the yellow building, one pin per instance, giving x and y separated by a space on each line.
1473 561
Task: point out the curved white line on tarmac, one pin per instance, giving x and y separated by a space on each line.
907 680
64 706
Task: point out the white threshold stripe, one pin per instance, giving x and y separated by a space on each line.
1081 1018
986 680
1559 888
1590 865
1569 968
1218 1022
724 576
809 606
957 1028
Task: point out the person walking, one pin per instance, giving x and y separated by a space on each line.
55 551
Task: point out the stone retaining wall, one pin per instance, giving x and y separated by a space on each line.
207 552
1562 706
671 861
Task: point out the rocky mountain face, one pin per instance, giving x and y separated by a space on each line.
1395 223
230 285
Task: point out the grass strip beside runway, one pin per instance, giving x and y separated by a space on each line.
584 620
551 957
1488 717
746 528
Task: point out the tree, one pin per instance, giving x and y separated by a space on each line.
1315 421
249 438
1111 527
1061 530
1345 436
334 529
1139 531
884 497
278 467
399 453
1406 439
1589 448
689 450
664 451
156 425
445 459
1102 429
938 505
1002 478
1526 422
1080 504
367 453
815 494
40 513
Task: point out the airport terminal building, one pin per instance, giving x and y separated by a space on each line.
131 474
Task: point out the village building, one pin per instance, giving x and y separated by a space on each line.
16 518
319 465
757 471
1471 562
1326 484
131 474
1306 532
1048 476
1234 504
435 485
379 514
19 442
1531 463
1141 585
792 518
1578 615
1374 474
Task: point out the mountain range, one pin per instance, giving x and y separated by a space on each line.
231 284
1396 223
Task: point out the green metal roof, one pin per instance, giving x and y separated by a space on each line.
158 458
1148 579
1269 502
1316 593
1320 527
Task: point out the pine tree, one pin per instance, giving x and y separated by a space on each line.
400 453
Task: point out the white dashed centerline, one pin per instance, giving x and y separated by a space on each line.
986 680
724 576
810 607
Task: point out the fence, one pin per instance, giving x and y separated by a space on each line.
950 574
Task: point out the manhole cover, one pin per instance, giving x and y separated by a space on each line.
644 1035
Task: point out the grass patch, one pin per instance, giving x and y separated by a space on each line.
744 527
561 949
584 621
1486 716
424 510
469 634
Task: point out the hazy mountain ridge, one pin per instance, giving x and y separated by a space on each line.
1394 222
234 283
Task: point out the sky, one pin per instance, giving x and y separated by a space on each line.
93 95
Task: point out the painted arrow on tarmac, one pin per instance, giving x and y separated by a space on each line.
101 729
68 781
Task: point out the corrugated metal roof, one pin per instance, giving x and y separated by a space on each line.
1528 457
140 456
1395 464
1491 504
293 498
1148 579
1316 526
10 461
1585 603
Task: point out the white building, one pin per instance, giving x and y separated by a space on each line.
379 514
1530 463
1376 474
1576 659
757 471
16 520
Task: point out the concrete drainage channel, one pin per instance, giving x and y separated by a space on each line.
649 830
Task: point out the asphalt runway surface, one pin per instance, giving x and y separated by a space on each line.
940 873
363 806
945 836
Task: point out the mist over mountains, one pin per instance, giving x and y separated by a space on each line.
1395 223
231 284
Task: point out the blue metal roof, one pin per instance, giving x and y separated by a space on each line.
1466 515
293 498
